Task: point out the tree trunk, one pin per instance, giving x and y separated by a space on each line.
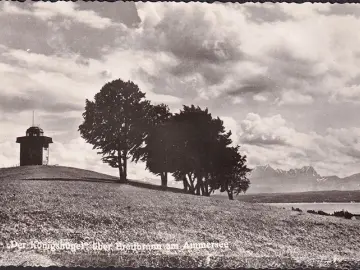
121 169
199 185
164 179
185 183
207 184
191 186
206 188
230 194
202 186
121 174
125 165
125 151
198 188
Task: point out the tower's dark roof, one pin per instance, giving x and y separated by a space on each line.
35 130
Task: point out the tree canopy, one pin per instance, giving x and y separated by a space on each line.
202 149
192 145
114 121
157 151
229 172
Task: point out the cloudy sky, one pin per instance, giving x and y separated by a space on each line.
285 78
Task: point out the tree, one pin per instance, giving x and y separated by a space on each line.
199 135
230 172
158 143
114 123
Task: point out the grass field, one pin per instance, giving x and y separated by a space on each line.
303 197
51 172
109 212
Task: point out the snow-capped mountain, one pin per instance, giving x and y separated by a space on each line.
268 171
268 179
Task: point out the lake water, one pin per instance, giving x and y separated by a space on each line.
353 208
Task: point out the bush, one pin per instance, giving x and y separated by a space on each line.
323 213
344 214
348 215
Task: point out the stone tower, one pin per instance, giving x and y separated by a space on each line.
34 147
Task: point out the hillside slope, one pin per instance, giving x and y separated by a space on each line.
86 212
51 172
64 173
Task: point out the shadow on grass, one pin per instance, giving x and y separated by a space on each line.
106 180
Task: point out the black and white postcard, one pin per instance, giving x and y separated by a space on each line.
172 134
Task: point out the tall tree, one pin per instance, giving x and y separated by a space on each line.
157 151
199 135
114 123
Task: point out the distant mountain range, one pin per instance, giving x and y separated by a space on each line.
267 179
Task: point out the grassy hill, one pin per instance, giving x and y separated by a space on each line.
51 172
109 212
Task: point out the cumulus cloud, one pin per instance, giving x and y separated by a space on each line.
230 124
273 140
295 98
9 154
296 68
24 28
61 83
30 102
265 12
259 97
264 131
307 10
347 94
350 9
78 153
228 52
46 11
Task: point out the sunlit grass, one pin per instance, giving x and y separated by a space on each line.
78 211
